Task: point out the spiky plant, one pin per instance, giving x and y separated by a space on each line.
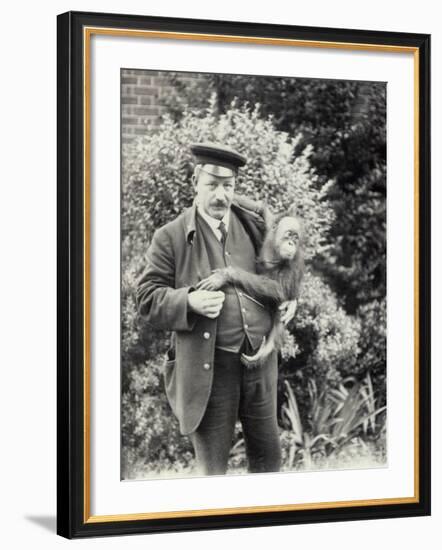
338 417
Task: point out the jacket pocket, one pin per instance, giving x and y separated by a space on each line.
254 300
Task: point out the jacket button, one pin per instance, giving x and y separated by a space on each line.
206 366
206 335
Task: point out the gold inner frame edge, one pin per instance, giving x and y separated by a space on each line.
87 33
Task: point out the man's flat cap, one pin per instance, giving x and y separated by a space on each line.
214 155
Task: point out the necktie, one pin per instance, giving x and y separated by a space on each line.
222 228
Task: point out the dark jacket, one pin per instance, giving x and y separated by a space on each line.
176 261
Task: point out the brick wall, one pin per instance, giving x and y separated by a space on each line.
142 99
143 95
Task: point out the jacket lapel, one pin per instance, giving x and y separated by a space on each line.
199 260
199 266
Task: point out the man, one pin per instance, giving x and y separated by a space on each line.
206 384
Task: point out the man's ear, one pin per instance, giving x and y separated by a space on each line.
194 180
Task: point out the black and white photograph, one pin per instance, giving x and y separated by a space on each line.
220 235
253 274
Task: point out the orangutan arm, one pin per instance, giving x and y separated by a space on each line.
260 287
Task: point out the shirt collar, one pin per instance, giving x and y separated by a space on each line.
190 218
213 222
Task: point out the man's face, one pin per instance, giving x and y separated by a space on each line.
214 194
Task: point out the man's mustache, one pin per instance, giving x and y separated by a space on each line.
219 203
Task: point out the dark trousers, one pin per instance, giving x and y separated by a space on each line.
250 395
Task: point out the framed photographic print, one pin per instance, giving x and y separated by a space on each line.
243 274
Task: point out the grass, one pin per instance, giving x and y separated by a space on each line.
356 455
344 429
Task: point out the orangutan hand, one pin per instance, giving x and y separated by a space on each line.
287 311
214 282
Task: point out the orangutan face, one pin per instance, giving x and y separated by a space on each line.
287 237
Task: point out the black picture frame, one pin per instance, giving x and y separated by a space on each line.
73 518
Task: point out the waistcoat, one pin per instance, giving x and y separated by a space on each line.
241 315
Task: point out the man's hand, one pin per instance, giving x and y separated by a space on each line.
287 311
206 302
215 281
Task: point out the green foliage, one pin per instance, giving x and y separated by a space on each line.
325 342
150 434
327 334
345 124
337 418
157 169
373 344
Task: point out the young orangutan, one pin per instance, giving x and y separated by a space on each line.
280 268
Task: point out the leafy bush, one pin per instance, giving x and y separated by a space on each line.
150 434
326 331
345 122
156 187
373 344
157 169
